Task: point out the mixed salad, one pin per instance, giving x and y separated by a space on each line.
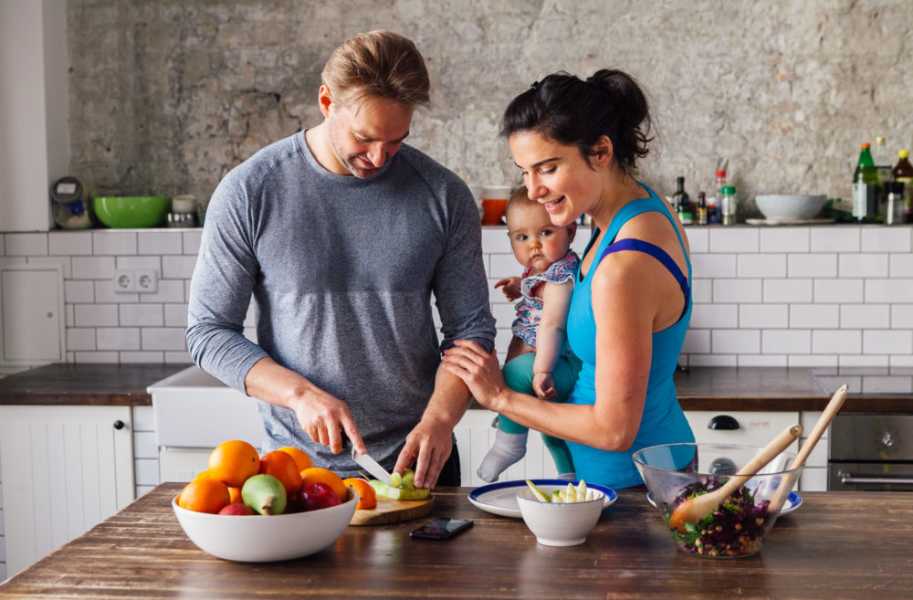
735 529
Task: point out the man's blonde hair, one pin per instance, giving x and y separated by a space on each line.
381 64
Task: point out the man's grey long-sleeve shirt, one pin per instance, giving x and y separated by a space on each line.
342 271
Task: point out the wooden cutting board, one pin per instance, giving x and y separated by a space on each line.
392 511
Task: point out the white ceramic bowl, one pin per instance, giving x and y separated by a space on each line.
786 207
257 538
560 524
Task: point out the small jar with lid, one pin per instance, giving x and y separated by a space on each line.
728 204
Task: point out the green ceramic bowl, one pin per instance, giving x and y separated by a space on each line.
124 212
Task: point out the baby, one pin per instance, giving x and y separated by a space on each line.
538 361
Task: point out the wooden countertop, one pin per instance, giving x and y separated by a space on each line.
700 388
85 384
837 545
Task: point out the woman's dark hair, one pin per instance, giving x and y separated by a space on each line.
569 110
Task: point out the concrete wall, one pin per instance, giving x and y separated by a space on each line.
167 96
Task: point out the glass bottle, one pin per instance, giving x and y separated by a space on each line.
728 204
680 196
702 208
714 211
903 173
865 184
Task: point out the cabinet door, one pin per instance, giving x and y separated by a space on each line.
751 428
64 469
31 314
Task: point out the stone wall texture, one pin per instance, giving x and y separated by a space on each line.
167 96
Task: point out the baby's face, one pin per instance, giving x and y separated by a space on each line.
535 241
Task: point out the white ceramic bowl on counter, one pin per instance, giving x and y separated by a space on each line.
790 207
559 523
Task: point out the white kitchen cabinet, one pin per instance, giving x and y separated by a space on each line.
31 314
65 469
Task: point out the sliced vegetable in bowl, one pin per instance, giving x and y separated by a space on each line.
571 493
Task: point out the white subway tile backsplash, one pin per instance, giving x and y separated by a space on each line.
95 357
875 384
837 342
170 290
96 315
812 265
93 267
503 265
142 357
113 242
502 339
863 265
141 315
495 241
902 316
176 315
762 265
698 239
713 265
889 290
712 360
63 262
763 315
70 243
736 290
735 341
886 239
160 242
865 316
118 338
887 342
702 290
105 292
78 291
80 338
697 341
504 314
736 239
835 239
192 242
812 360
787 290
905 361
762 360
143 418
152 263
901 265
713 316
838 290
70 311
785 239
856 360
179 358
163 338
178 267
26 244
786 341
814 316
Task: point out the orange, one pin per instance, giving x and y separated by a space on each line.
205 474
204 495
321 475
234 495
282 466
367 498
232 462
301 458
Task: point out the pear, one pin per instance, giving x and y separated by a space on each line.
264 494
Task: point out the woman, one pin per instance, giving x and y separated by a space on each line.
577 143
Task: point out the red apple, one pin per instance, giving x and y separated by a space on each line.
319 495
238 509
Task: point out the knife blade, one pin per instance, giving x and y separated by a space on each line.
371 466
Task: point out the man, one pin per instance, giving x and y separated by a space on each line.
341 233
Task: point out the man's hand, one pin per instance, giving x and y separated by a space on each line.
511 287
324 418
428 445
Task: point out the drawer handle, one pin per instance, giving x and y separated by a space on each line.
723 423
847 478
118 424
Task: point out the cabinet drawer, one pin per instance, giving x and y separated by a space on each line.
751 428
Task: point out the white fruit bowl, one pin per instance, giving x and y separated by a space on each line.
786 207
257 538
559 523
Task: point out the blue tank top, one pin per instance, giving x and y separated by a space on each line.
662 421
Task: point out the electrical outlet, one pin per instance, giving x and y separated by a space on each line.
124 281
147 281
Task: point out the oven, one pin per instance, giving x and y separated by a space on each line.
871 452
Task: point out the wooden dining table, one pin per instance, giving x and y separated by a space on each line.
836 545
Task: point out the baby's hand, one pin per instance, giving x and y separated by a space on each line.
544 386
511 287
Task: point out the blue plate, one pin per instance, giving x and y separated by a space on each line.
793 502
501 498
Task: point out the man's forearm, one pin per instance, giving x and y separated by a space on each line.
449 400
269 381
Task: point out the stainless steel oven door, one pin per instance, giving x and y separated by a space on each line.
874 477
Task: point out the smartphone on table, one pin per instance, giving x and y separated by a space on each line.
441 528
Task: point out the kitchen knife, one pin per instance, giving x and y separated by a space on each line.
371 466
